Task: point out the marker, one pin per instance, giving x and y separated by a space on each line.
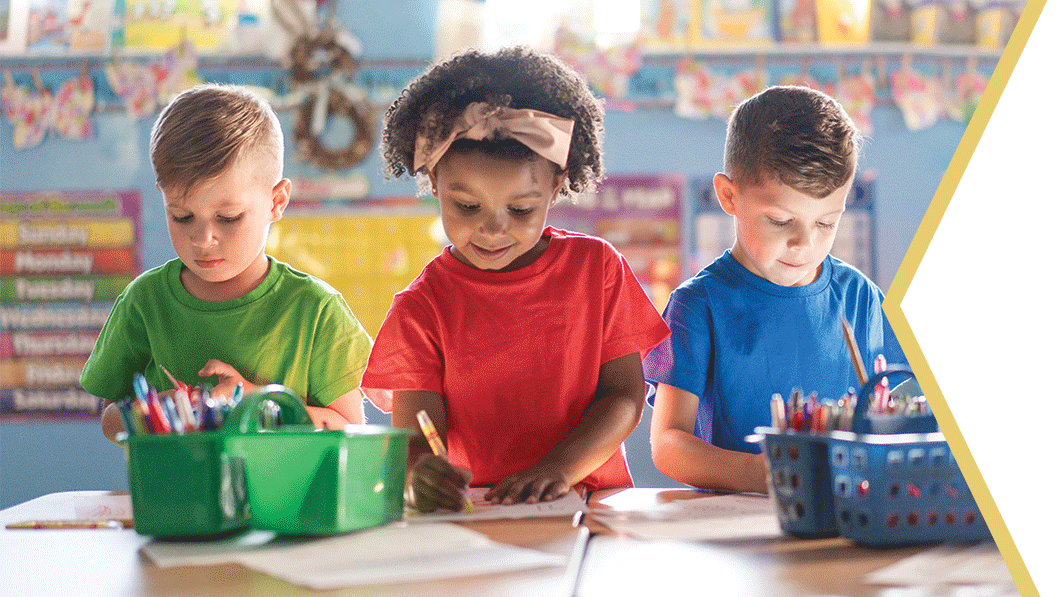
182 405
176 423
777 412
437 445
158 421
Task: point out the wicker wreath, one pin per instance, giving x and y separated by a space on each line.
307 50
359 114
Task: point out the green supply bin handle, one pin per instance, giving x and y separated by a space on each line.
245 417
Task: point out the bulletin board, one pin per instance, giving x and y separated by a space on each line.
368 256
640 216
64 258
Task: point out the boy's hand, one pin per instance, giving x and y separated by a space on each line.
229 378
436 483
542 482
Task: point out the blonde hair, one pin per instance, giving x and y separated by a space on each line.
206 129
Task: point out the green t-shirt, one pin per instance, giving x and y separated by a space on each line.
293 329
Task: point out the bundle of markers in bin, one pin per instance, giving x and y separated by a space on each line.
820 416
187 409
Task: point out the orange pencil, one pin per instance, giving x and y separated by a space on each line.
436 444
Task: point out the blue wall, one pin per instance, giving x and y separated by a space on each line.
38 458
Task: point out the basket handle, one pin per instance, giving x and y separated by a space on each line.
244 418
866 392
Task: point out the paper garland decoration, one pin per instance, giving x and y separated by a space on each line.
32 113
917 96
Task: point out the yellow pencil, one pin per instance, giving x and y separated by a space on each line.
856 358
436 445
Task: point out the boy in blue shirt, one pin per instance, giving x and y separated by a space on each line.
765 317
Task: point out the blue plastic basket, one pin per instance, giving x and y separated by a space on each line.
890 481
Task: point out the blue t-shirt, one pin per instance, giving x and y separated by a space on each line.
737 339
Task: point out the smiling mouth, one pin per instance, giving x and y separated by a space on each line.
490 255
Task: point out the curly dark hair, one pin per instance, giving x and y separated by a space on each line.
515 77
801 137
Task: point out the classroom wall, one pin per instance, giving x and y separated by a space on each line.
43 457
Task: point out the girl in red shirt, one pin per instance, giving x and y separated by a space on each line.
522 342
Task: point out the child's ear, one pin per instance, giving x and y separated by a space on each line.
432 174
559 182
725 192
280 198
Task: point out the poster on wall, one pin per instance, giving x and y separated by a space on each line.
712 230
64 258
367 255
640 216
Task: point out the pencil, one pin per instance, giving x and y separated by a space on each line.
72 524
176 384
853 348
436 445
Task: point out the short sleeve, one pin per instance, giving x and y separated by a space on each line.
631 322
339 352
684 358
407 354
892 350
119 351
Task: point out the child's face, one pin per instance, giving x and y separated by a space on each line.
783 235
219 228
493 209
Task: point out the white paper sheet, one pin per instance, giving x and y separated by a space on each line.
567 505
395 553
171 554
712 517
954 564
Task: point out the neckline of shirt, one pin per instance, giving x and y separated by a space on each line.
185 298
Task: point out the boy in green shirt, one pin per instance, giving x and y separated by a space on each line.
224 310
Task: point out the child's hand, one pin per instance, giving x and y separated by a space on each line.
539 483
229 378
436 483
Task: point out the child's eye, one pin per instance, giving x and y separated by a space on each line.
467 207
827 225
182 219
778 223
520 211
229 219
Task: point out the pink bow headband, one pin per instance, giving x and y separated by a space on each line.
543 133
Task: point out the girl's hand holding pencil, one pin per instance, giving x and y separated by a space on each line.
434 482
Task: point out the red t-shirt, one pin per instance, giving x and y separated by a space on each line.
515 354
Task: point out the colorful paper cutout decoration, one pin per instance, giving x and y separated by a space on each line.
33 112
963 94
72 107
143 87
858 95
606 70
696 89
137 86
917 96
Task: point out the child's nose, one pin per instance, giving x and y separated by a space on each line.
494 223
800 239
203 235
